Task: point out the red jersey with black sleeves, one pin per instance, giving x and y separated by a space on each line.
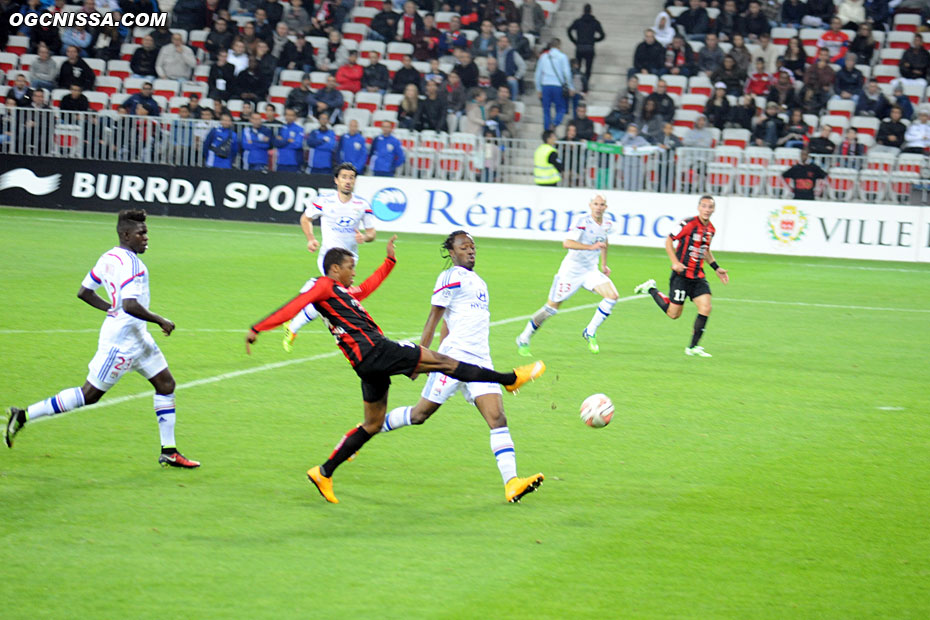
355 331
693 240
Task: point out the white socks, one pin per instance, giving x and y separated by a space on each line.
396 418
539 317
164 411
303 317
66 400
600 314
502 447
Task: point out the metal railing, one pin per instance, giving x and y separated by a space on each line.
107 136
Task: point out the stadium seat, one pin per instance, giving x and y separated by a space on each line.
355 32
363 116
786 156
368 101
758 155
363 15
17 45
57 95
384 115
873 185
838 124
685 118
138 33
317 43
202 73
810 36
397 50
8 62
911 162
108 84
736 137
422 162
841 107
598 113
443 19
119 69
677 84
720 177
126 51
467 143
914 92
776 185
749 179
695 102
367 47
292 78
278 94
781 36
189 88
98 101
198 39
842 183
175 103
900 186
647 82
25 62
451 165
881 162
348 97
884 74
675 11
392 101
732 155
899 39
98 66
166 88
865 125
317 80
235 108
519 110
908 22
116 100
890 56
700 85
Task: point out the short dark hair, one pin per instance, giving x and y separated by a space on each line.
128 219
344 166
707 197
547 134
335 256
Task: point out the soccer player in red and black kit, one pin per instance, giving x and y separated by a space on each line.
687 279
374 357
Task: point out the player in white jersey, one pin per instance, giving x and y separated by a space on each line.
124 344
586 247
461 298
345 221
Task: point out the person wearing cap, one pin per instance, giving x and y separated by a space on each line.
717 108
770 128
917 136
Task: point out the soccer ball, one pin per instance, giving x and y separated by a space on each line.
597 411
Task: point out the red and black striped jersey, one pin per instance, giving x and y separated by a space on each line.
693 240
355 331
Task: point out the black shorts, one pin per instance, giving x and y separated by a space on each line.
386 359
680 288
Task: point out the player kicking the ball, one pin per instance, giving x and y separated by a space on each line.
373 357
345 221
461 297
579 269
124 344
687 279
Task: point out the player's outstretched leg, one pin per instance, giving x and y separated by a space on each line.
649 287
64 401
290 329
15 421
535 322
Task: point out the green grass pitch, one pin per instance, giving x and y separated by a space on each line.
788 476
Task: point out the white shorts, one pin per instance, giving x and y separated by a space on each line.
113 361
439 388
566 284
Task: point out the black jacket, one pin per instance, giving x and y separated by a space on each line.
585 31
79 73
431 114
376 75
290 54
217 41
143 61
407 76
385 24
649 56
221 73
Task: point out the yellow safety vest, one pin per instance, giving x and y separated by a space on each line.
544 173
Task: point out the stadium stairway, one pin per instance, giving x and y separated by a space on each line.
623 24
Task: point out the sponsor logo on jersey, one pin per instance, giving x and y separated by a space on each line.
389 203
25 179
788 224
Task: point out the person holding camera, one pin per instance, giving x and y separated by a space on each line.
221 145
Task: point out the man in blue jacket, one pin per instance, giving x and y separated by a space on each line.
387 154
352 147
221 145
256 142
323 142
290 143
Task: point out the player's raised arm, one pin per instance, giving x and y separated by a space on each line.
720 271
317 292
373 281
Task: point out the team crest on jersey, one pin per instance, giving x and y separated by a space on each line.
482 296
346 221
787 224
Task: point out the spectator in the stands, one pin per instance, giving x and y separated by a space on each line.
793 13
264 31
247 36
890 136
740 53
408 74
387 153
755 23
507 106
352 147
193 105
741 115
77 36
619 118
820 76
512 64
914 64
795 59
694 21
21 92
189 15
431 112
144 98
243 7
768 52
770 129
878 13
219 82
161 35
221 145
649 56
476 112
492 77
375 77
823 143
901 100
297 18
863 46
220 38
300 99
274 10
849 79
662 28
175 61
717 108
75 70
583 125
665 105
759 81
333 54
710 58
238 57
532 17
108 44
500 12
730 75
679 58
851 147
650 121
485 43
585 32
819 13
426 46
47 35
43 72
409 107
851 13
632 94
290 143
728 21
324 19
871 101
467 69
518 40
349 75
280 39
76 101
409 23
322 143
813 100
329 100
144 58
384 24
297 55
796 131
699 136
917 136
456 97
249 84
834 40
632 138
552 79
453 38
266 64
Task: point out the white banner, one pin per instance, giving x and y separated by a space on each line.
800 228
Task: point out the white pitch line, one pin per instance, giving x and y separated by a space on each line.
818 305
